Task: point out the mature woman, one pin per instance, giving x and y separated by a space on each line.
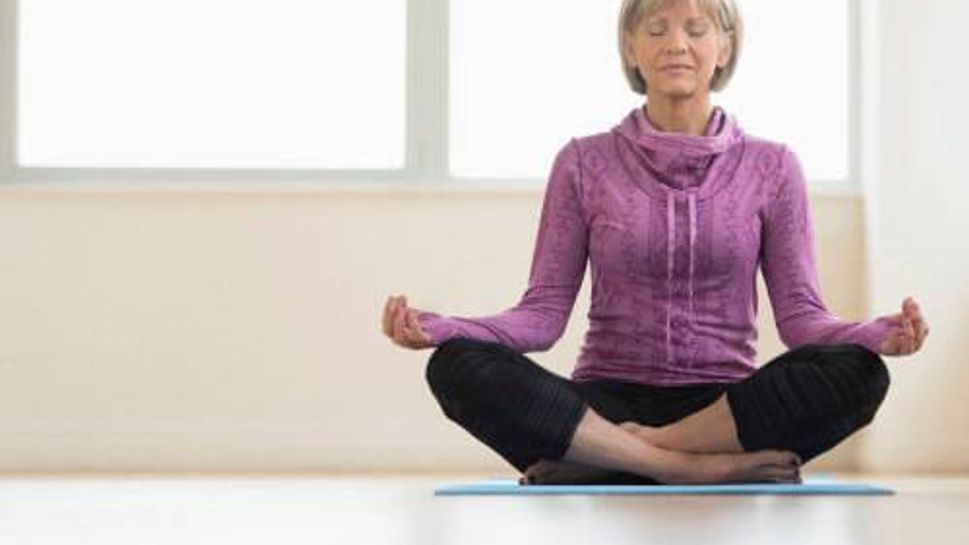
674 208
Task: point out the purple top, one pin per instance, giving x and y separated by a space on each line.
674 227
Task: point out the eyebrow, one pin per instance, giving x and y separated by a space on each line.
656 19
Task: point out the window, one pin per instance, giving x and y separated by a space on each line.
456 91
790 84
526 76
212 83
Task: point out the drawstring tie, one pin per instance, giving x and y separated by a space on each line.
671 242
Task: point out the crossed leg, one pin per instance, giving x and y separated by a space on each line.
830 390
709 430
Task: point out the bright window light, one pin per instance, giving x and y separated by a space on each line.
526 76
211 84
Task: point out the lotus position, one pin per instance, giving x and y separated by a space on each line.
674 209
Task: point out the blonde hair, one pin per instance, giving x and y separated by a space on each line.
724 12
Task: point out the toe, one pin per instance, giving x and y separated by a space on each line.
779 457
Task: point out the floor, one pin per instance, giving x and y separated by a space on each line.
390 509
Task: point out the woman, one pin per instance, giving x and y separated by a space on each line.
674 208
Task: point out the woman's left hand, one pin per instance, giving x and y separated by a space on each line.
909 339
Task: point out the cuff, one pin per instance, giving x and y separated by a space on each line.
439 328
876 331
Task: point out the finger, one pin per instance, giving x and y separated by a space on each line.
912 308
918 324
901 335
391 311
394 305
410 331
420 327
900 343
895 343
912 313
906 318
913 330
387 314
910 328
415 326
896 319
405 329
909 340
399 324
921 331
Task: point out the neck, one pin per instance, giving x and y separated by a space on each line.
689 116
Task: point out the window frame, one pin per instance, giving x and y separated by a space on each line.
426 143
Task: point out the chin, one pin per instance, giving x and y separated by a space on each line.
679 92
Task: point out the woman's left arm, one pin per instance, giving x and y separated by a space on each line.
788 265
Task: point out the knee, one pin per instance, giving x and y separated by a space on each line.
874 375
875 371
443 363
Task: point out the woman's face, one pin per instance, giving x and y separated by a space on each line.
677 50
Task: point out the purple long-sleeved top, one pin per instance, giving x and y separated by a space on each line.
674 227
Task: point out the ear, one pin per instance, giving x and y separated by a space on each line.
726 51
628 50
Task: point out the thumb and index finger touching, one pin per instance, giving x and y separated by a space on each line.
402 320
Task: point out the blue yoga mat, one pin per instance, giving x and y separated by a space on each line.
811 484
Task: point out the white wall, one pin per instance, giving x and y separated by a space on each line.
919 229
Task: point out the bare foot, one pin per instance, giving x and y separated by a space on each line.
679 467
762 466
768 465
559 472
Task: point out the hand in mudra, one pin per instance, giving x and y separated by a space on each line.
401 325
910 338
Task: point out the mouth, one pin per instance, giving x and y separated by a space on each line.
676 67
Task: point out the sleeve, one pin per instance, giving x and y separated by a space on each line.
788 264
539 318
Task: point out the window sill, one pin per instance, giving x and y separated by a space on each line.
326 187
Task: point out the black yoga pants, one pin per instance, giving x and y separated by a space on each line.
806 400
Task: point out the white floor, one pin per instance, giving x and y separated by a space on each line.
390 509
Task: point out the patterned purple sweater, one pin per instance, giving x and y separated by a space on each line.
674 227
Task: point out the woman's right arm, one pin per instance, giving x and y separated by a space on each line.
558 267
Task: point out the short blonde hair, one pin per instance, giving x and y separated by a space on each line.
723 12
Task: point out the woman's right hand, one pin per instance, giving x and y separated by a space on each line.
909 338
401 325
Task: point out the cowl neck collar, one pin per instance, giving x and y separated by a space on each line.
678 162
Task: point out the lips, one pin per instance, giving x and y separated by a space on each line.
677 67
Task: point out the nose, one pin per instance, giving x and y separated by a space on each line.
677 42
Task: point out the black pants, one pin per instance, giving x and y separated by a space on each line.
806 400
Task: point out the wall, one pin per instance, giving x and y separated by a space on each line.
180 328
919 229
